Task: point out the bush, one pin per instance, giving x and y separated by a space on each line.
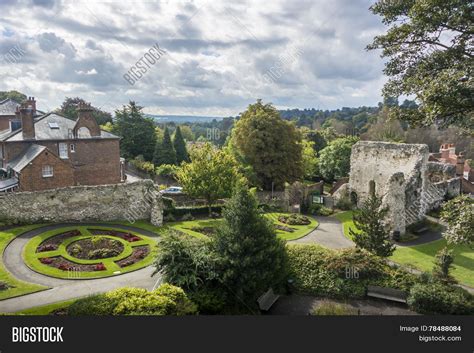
187 217
97 304
195 211
318 209
209 301
168 203
165 300
345 204
341 274
294 219
439 298
143 165
331 308
169 218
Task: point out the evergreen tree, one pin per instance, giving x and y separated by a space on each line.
137 132
180 147
251 257
371 233
164 151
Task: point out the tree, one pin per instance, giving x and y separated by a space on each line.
370 232
310 161
187 133
164 150
180 147
251 257
385 129
443 262
69 110
186 262
458 213
430 49
14 95
316 137
211 174
335 159
137 132
271 145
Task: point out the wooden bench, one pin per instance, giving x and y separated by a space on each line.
392 294
421 230
267 299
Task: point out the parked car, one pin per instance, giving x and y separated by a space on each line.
172 190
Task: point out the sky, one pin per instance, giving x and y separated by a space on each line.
198 57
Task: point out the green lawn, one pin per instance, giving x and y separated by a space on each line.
17 287
422 256
46 309
299 231
31 257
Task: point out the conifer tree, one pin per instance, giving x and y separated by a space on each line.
180 147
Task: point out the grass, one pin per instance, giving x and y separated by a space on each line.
422 256
300 230
46 309
31 257
17 287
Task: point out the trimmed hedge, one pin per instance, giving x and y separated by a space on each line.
439 298
195 211
341 274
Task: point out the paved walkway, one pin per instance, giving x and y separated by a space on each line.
63 289
329 234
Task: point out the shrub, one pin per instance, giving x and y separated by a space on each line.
187 217
169 218
331 308
344 203
142 165
439 298
168 203
294 219
165 300
4 285
99 267
195 211
97 304
341 274
318 209
47 247
102 253
209 301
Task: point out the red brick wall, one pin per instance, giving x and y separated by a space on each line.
5 122
31 177
96 161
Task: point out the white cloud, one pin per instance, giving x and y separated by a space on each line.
217 53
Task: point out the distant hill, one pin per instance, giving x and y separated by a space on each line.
181 119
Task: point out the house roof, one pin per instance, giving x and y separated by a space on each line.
53 126
8 106
7 184
23 159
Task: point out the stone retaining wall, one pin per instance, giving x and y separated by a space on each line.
126 202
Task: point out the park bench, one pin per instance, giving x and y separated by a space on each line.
267 299
392 294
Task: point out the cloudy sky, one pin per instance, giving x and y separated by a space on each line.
217 56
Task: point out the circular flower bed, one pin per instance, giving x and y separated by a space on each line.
85 252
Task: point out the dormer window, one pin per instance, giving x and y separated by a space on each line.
53 125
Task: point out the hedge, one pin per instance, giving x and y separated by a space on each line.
341 274
178 212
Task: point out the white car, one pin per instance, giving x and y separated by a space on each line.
172 190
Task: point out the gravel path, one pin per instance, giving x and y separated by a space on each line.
329 234
62 289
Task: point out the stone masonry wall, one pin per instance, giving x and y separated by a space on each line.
127 202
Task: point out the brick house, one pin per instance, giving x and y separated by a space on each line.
48 151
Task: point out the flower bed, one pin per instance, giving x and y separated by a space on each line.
95 248
294 219
127 236
138 254
52 243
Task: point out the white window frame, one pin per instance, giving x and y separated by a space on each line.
47 171
63 150
72 148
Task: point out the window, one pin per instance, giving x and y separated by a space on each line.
53 125
73 148
47 171
15 125
63 153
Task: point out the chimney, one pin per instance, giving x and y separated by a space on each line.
27 123
32 103
85 119
460 164
444 150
